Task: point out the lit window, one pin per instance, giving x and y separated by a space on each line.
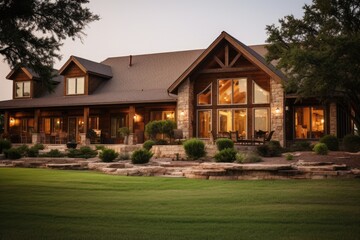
22 89
204 98
261 119
260 94
233 120
309 122
232 91
204 123
75 86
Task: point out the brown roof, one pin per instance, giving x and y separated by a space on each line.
29 72
145 81
89 67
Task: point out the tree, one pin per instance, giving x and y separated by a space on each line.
320 53
32 31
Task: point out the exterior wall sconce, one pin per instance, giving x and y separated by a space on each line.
12 122
182 113
277 110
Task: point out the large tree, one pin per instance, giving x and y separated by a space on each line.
320 53
32 32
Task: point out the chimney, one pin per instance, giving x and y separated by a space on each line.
130 60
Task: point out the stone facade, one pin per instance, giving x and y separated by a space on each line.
332 111
277 111
185 108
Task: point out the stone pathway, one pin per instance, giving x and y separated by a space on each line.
197 170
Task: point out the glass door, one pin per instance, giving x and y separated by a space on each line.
76 126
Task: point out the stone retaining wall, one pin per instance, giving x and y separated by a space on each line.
177 152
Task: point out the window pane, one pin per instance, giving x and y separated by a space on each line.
113 128
71 85
261 120
260 94
27 89
204 98
47 128
19 89
80 87
168 115
57 124
240 122
239 90
225 91
317 120
225 120
302 122
204 124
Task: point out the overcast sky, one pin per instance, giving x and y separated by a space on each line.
149 26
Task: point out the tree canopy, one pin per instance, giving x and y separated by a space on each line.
32 32
320 53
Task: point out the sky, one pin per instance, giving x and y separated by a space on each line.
151 26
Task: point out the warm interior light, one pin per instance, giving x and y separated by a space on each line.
322 120
182 113
277 110
12 122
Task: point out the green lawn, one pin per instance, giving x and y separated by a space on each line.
50 204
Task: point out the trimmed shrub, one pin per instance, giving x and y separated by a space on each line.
226 155
108 155
168 127
301 146
4 145
161 126
33 152
321 149
53 153
194 148
247 158
331 142
289 156
124 156
223 143
141 156
152 129
271 149
351 143
13 153
148 144
83 152
23 149
100 147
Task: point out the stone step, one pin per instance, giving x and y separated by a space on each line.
66 166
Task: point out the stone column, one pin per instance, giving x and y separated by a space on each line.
185 108
277 107
332 117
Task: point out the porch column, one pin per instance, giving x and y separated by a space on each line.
35 138
131 139
86 124
185 108
332 117
277 111
6 122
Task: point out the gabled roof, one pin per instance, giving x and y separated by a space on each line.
249 53
29 72
88 66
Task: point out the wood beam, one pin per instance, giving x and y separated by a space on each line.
86 118
226 55
6 122
223 70
219 62
131 118
36 120
235 59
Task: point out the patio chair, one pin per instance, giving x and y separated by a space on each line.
234 136
267 138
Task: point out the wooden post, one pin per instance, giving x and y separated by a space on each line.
36 120
6 122
86 118
131 118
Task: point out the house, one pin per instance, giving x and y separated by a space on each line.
226 87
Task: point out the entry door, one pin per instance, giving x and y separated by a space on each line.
76 126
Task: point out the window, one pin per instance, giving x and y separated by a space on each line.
204 98
51 125
204 123
75 86
22 89
162 115
232 91
309 122
118 122
233 120
261 119
260 94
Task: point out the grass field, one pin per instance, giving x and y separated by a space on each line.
49 204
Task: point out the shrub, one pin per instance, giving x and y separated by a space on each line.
124 156
194 148
247 158
23 150
223 143
301 146
148 144
161 142
108 155
351 143
4 145
83 152
226 155
271 149
289 156
152 129
12 153
141 156
124 131
39 146
162 126
33 152
53 153
331 142
100 147
321 149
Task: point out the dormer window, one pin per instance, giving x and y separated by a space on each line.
22 89
75 86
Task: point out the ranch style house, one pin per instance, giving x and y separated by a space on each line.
226 87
